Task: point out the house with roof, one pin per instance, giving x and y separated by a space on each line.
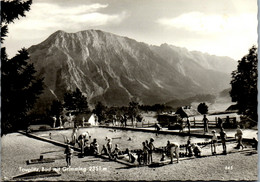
187 111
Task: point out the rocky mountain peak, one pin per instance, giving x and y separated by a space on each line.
114 69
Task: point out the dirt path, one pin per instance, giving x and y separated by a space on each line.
16 149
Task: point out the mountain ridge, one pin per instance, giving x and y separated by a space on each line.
115 69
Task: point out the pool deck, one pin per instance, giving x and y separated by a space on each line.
194 132
74 148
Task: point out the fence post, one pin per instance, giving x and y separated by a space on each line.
194 121
216 119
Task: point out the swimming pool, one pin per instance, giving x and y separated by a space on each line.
121 137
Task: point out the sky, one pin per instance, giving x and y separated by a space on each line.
217 27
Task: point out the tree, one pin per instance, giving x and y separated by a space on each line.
76 101
20 87
202 108
11 10
20 90
100 111
244 84
56 108
133 110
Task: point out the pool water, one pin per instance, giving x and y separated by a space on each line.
121 137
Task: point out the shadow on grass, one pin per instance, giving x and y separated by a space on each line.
127 167
92 160
250 153
52 151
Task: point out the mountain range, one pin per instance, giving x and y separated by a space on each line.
115 69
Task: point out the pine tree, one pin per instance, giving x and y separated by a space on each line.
76 101
11 10
20 90
20 87
56 108
100 111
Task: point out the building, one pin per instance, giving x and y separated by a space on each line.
187 111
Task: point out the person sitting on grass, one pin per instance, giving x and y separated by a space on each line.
68 151
173 148
132 156
255 143
213 142
140 157
196 150
163 156
104 150
188 149
116 152
94 147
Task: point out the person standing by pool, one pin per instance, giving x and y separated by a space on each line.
220 123
109 146
54 121
145 153
60 119
157 128
70 119
173 148
239 136
68 152
74 135
213 142
223 137
150 151
81 142
188 124
205 122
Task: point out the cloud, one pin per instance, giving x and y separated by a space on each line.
43 16
211 24
219 34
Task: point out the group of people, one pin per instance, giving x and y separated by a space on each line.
147 152
192 149
107 149
86 146
223 138
145 155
